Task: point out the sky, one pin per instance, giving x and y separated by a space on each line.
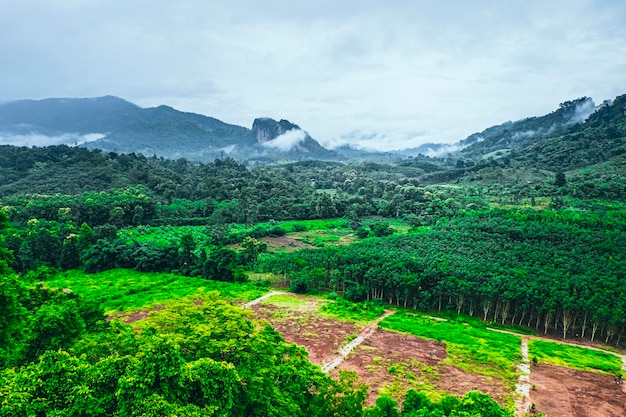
383 75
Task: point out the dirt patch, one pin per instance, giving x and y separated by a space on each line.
135 315
321 337
285 242
458 382
567 392
394 363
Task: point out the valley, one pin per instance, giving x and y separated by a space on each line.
488 281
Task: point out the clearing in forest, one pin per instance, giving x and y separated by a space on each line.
390 362
299 321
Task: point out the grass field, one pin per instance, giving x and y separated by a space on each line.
125 290
471 348
574 357
361 313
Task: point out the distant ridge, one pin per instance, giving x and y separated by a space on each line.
116 125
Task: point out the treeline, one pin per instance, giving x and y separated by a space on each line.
556 271
126 190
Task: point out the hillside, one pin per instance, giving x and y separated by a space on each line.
522 133
115 125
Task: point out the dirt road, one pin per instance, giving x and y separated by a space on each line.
345 350
264 297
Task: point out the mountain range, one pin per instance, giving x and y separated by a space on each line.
116 125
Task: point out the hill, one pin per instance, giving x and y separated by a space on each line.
522 133
115 125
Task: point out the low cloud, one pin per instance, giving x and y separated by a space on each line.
287 141
374 141
36 139
582 111
523 135
443 150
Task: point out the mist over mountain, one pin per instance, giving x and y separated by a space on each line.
115 125
527 131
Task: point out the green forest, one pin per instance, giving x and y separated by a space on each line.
532 240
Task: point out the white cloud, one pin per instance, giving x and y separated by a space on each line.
35 139
287 141
582 111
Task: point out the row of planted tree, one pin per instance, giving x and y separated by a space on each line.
556 272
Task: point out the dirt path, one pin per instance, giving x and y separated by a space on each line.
523 402
522 388
345 350
264 297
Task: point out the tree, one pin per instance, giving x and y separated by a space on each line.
560 180
12 316
325 207
385 407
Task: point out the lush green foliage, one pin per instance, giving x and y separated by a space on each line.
192 360
553 270
416 404
574 357
549 258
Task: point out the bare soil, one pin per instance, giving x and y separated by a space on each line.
457 382
567 392
285 242
135 315
419 361
321 337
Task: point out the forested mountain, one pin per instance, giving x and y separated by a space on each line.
519 134
599 139
115 125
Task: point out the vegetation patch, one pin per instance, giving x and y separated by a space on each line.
574 357
470 348
126 290
344 310
292 303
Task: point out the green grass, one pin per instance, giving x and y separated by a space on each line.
293 303
513 328
319 224
361 313
126 290
574 357
470 347
412 375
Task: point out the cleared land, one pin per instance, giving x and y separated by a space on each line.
390 362
563 391
409 351
321 337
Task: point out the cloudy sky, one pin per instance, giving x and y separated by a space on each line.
387 74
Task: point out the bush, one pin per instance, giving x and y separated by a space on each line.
356 293
300 285
362 232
